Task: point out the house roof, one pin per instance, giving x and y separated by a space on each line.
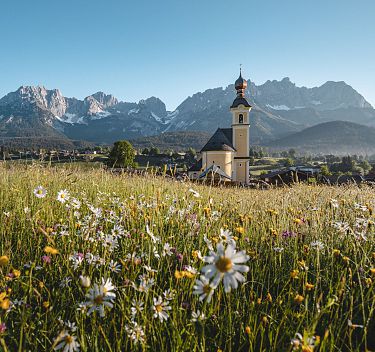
240 100
216 170
197 166
220 141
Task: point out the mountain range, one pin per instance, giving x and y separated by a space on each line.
280 109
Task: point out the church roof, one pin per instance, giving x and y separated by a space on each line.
240 100
220 141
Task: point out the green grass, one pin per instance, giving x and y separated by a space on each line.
263 314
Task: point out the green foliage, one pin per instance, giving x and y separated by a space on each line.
325 170
121 155
288 162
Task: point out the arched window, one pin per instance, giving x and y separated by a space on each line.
240 118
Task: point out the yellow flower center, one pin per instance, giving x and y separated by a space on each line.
40 191
159 308
224 264
98 299
206 289
68 339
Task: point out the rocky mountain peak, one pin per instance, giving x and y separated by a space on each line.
106 100
51 100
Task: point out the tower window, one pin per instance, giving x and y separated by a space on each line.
240 118
240 164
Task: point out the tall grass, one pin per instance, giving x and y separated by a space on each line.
311 267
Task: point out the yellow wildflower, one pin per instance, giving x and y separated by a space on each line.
294 274
4 301
309 287
240 230
178 274
4 260
248 330
299 299
336 252
51 250
298 221
16 273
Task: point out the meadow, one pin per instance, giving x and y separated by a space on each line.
91 261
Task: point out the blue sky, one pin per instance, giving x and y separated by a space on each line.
173 48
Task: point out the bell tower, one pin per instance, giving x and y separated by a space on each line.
240 128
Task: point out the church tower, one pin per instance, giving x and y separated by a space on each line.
240 132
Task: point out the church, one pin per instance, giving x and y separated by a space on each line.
226 154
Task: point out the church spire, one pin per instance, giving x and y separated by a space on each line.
240 85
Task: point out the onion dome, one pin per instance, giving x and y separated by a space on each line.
240 83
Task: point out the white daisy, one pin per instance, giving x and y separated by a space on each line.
135 332
318 245
40 192
97 300
66 342
160 309
226 236
167 250
226 265
203 288
63 196
197 316
108 287
194 193
137 307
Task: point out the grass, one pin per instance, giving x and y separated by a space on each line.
311 263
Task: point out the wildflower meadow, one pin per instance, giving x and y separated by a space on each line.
91 261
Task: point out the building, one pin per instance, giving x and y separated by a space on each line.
228 149
293 174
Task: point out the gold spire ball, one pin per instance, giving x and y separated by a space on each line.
240 85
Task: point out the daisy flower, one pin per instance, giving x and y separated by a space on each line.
226 264
203 288
108 287
194 193
63 196
135 332
226 236
66 342
160 309
40 192
137 307
197 316
97 300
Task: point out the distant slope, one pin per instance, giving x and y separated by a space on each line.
336 137
178 141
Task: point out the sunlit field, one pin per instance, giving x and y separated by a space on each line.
91 261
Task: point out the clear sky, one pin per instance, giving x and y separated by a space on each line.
173 48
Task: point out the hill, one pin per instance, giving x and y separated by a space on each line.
337 137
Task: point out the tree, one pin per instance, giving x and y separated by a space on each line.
365 165
154 151
122 154
288 162
325 170
145 151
